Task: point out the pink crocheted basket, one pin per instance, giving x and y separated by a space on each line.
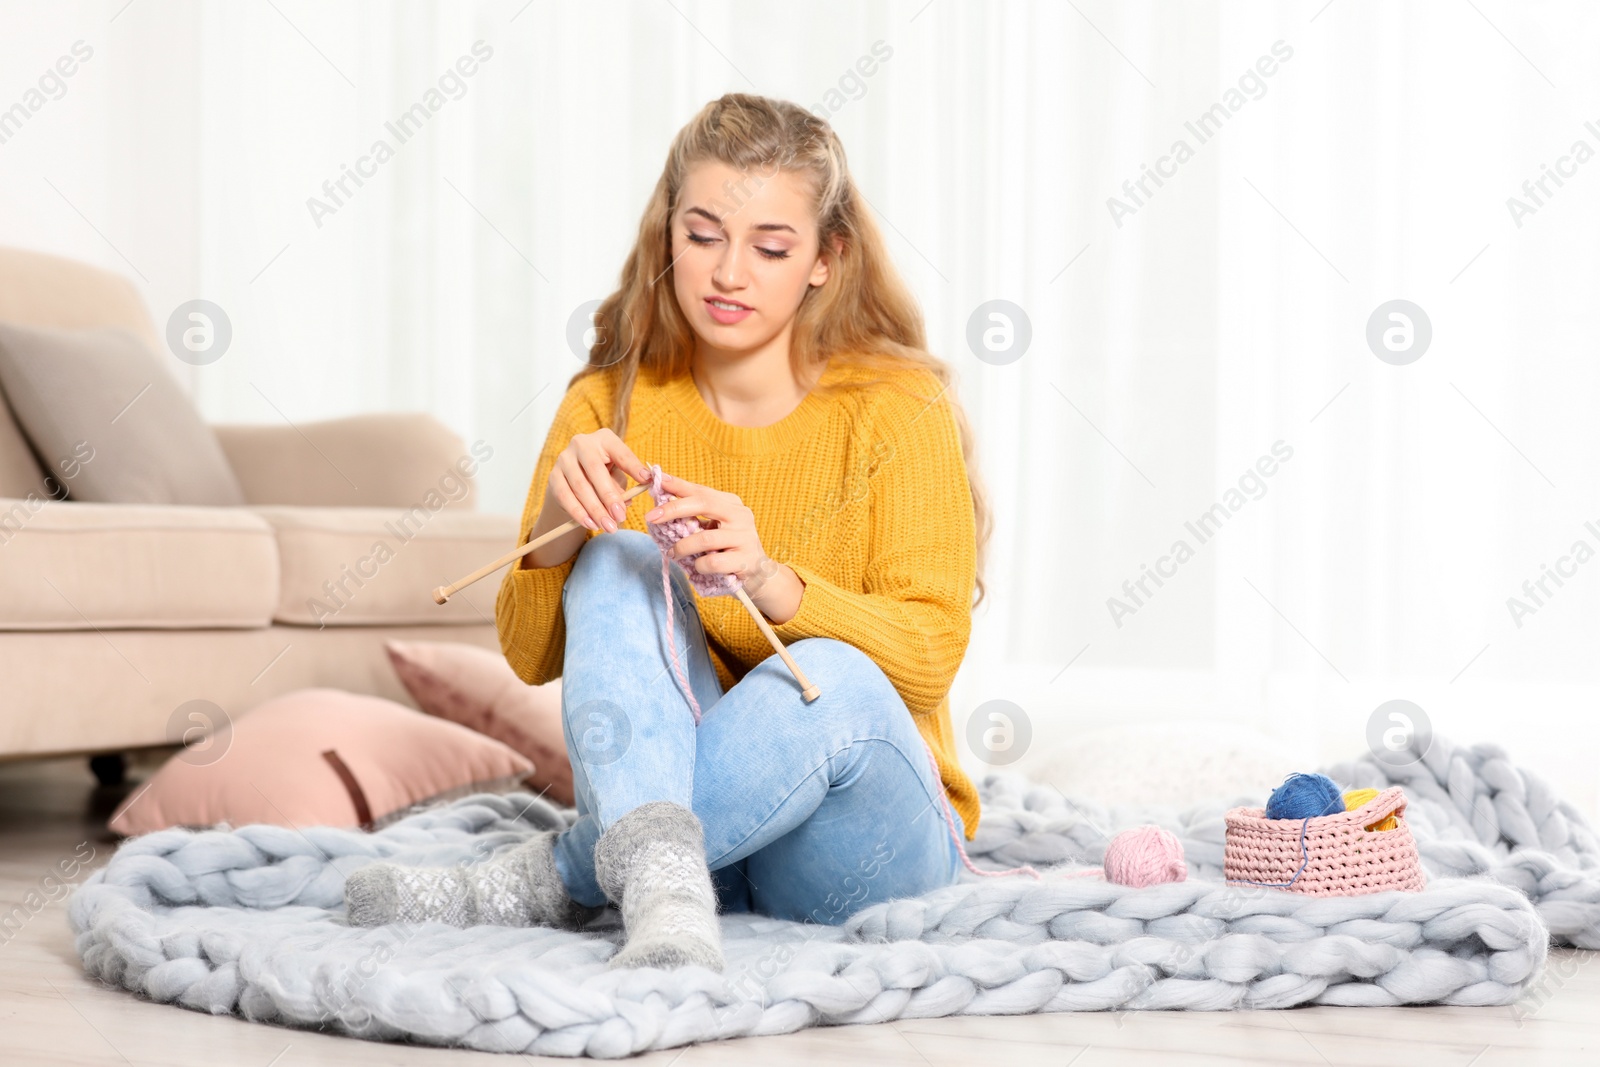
1338 856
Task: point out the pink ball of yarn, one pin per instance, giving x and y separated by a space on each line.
1143 856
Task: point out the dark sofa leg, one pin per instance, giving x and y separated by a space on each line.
110 768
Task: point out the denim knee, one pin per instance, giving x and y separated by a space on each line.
840 667
625 548
605 557
829 655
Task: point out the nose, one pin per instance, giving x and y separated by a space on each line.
728 274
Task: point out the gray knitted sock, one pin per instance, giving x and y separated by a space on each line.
516 887
652 864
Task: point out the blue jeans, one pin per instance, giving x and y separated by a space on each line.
811 811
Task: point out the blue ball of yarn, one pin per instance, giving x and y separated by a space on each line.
1305 795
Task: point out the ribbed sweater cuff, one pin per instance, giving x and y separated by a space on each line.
827 610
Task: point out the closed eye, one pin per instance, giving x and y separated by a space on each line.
770 253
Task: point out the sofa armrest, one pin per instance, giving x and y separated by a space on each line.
389 459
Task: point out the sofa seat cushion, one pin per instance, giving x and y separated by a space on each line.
380 566
79 566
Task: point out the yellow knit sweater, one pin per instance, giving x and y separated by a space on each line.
863 495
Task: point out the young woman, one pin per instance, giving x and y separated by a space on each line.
763 351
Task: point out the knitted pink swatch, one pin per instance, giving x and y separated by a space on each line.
666 535
669 533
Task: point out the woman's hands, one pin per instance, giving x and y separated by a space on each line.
586 485
728 533
586 480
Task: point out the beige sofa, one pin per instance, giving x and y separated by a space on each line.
114 616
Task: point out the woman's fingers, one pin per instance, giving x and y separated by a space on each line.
561 490
680 508
677 486
708 541
593 511
690 499
623 456
587 476
726 543
722 557
606 491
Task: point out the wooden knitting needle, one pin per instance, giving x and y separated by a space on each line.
808 692
442 595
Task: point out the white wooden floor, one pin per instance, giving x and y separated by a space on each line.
50 1013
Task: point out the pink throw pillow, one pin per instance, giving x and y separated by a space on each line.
478 689
317 757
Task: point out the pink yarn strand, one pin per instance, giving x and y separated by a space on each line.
955 835
672 638
665 536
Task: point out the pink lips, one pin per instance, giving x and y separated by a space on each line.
724 315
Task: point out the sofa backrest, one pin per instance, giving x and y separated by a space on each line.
43 290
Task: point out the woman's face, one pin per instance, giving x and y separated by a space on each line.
744 252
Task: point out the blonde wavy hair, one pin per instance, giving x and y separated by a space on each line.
863 313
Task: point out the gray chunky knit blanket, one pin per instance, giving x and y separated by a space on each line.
250 921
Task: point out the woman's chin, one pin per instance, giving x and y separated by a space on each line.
736 338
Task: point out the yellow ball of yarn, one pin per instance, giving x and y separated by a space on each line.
1357 797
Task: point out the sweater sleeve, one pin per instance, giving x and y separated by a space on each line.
914 616
527 610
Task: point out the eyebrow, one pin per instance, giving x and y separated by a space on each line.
769 226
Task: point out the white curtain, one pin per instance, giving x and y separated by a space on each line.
1354 153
